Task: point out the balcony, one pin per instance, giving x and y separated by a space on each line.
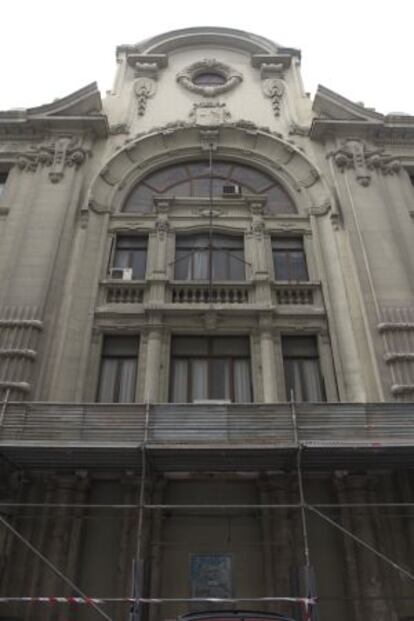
203 293
208 436
122 292
297 293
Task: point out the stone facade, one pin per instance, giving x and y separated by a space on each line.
321 190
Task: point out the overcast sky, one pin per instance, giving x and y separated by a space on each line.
362 49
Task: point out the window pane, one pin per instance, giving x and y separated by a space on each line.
121 258
300 346
278 201
236 265
183 264
199 379
230 346
200 264
127 380
242 387
298 266
189 346
302 369
120 346
107 380
138 260
220 379
251 177
312 381
167 177
179 381
281 265
220 265
141 200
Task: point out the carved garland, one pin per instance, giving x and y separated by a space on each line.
231 76
354 154
58 154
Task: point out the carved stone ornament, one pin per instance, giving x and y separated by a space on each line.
162 227
144 88
118 128
57 154
274 89
232 78
354 154
209 114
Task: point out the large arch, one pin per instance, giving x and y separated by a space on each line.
286 163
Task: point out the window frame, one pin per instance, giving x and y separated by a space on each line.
316 357
118 372
186 242
116 248
288 251
210 357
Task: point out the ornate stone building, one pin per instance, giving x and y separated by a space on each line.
207 342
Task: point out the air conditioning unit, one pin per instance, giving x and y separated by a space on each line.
121 273
232 190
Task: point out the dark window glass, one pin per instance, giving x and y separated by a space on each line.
303 375
118 374
210 368
131 251
194 256
209 79
289 260
3 179
196 179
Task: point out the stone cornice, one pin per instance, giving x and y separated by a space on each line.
387 130
79 111
284 59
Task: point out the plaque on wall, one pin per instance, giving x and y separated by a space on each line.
210 575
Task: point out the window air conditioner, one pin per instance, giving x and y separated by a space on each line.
232 190
121 273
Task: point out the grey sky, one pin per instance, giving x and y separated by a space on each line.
361 49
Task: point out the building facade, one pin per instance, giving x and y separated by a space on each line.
207 342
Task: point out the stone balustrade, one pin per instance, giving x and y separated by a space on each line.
294 293
195 293
123 292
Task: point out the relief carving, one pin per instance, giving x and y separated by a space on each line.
57 154
354 154
145 85
209 114
272 84
231 77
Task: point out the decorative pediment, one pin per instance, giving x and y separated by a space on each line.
337 116
330 105
81 110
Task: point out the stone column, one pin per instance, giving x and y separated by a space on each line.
154 343
158 268
260 271
268 362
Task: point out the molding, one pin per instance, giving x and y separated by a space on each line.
356 155
394 326
201 36
18 353
20 386
186 77
21 323
398 356
81 110
402 389
285 60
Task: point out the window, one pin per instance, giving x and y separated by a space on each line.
210 368
195 257
209 78
289 260
197 179
118 372
131 252
302 370
3 179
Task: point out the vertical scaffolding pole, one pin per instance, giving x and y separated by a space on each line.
306 574
137 563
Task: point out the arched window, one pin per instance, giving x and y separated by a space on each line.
194 179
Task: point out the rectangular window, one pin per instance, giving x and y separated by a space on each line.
131 253
210 368
3 179
289 261
198 255
302 369
118 374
